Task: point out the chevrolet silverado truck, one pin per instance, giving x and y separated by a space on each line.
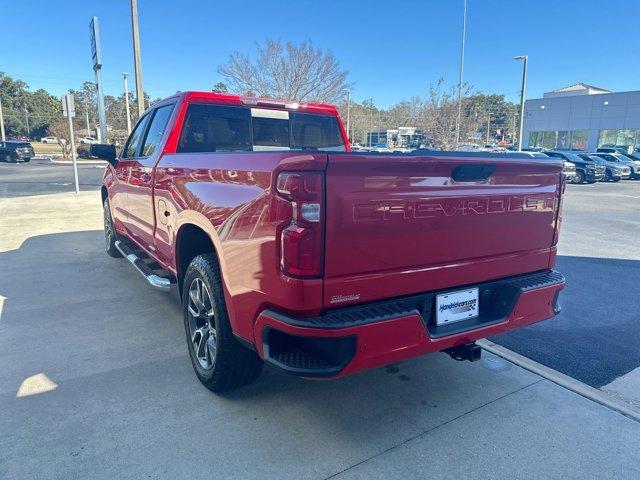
286 247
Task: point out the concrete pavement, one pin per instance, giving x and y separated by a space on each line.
95 382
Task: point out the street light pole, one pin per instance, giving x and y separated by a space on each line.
26 116
126 100
488 126
137 61
522 96
464 34
348 90
2 137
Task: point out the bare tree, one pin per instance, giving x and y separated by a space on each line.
60 130
284 70
439 112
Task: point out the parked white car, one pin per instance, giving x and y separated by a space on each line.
49 140
88 140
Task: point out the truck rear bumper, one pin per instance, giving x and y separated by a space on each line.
349 340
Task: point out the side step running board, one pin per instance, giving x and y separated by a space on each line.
156 281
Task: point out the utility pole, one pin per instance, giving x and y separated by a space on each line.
26 117
348 90
464 35
68 110
522 96
96 53
137 61
126 100
488 126
2 137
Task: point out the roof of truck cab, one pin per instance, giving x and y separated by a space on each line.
261 102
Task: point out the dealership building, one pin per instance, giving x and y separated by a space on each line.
582 117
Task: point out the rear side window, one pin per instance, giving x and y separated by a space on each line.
156 129
215 128
315 132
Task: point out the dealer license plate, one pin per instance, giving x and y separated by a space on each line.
456 306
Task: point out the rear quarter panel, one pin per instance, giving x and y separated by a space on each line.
230 196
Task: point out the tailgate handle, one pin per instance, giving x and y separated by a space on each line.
469 173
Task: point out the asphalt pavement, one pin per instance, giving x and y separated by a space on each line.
40 177
96 382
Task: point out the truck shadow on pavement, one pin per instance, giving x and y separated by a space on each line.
124 392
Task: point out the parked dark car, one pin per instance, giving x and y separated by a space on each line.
84 150
634 168
587 169
16 151
613 171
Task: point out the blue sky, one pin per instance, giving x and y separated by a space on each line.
393 50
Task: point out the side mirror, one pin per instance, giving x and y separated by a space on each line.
104 151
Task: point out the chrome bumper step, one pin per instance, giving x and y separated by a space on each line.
137 259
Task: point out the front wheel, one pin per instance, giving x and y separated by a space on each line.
616 179
579 178
220 362
109 231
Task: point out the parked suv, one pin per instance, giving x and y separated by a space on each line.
613 171
621 161
635 159
16 151
587 169
286 247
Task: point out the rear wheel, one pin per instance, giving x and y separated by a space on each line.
110 236
220 362
8 158
607 176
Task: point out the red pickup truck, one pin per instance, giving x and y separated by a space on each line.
286 247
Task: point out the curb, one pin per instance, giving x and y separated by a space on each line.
563 380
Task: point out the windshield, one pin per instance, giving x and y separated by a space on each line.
573 157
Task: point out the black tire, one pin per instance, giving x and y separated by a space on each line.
8 158
591 181
110 235
579 177
27 160
607 176
616 179
232 364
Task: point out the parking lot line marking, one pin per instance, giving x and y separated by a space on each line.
561 379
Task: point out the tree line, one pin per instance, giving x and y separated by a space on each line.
300 72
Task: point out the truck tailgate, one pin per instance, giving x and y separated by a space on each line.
398 224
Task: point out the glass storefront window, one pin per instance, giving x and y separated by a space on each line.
549 140
579 139
533 139
625 138
563 140
607 138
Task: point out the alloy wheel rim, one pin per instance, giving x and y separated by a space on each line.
201 320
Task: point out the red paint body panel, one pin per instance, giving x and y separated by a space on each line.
394 225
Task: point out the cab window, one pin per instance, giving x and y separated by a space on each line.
156 130
132 147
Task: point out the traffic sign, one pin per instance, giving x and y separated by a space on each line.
68 106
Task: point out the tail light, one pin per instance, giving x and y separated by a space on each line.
301 241
561 190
